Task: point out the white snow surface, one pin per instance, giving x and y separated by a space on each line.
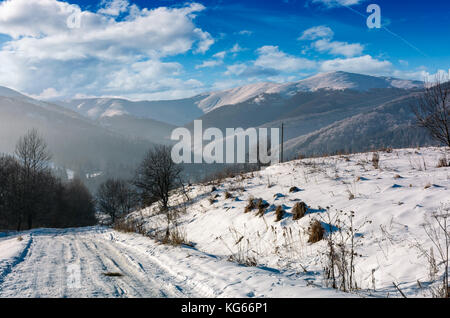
41 265
396 199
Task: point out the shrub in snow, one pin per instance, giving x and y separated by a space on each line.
376 160
279 213
443 162
299 210
251 205
262 207
294 190
316 232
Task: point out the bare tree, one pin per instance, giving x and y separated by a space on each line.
10 178
32 151
157 176
116 198
432 109
34 156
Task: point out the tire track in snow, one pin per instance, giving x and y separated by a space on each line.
17 260
41 270
135 282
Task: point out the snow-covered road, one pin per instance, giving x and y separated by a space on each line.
73 263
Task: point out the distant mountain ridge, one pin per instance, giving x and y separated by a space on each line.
321 114
328 81
182 111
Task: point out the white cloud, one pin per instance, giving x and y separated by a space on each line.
272 64
45 53
336 3
216 61
236 48
338 48
422 75
245 32
220 55
48 93
317 32
365 64
236 69
209 63
271 57
114 7
322 37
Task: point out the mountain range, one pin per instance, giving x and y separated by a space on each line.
324 113
182 111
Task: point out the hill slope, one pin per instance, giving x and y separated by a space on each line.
390 205
76 142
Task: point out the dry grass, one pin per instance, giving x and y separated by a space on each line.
299 210
20 238
262 207
376 160
443 162
176 237
129 226
227 195
316 232
251 205
294 190
279 213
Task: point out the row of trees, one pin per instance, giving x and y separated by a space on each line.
155 177
31 196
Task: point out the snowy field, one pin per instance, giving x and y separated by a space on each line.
73 263
390 205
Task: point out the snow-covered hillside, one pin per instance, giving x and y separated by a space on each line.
390 205
330 81
395 201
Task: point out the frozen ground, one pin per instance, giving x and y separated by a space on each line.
72 263
396 199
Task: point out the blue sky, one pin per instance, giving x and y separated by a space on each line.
142 49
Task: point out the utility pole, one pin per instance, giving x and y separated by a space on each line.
282 143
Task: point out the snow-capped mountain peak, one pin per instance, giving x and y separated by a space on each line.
185 110
236 95
331 81
343 80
